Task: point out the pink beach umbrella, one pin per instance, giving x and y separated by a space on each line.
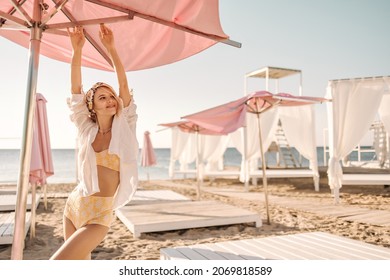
148 156
228 117
191 127
151 33
41 165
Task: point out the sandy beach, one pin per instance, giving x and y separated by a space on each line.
120 244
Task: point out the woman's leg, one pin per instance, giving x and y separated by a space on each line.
80 244
69 228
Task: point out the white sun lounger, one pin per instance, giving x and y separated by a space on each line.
157 217
222 174
366 179
156 196
302 246
286 173
185 172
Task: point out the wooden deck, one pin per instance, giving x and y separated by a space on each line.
302 246
7 223
167 216
156 196
325 208
8 201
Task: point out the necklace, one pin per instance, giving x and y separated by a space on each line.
104 132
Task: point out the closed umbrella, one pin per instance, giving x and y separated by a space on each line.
148 156
151 33
41 166
230 116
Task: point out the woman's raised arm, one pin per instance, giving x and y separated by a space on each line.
77 39
107 38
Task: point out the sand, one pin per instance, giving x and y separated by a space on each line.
119 244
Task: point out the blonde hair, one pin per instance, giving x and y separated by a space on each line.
89 98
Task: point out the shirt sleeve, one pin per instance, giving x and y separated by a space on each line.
130 114
79 113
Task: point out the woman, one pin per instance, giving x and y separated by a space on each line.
108 149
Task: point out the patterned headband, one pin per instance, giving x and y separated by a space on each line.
91 92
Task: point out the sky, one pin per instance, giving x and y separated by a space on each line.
326 40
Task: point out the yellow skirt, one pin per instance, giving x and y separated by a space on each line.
85 210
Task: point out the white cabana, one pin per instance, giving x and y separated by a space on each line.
184 149
212 149
246 140
299 127
355 104
298 124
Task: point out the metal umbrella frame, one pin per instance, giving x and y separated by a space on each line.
36 24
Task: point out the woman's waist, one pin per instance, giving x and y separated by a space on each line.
106 189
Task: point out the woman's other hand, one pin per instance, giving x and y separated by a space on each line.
107 37
77 37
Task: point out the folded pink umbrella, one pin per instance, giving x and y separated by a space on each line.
148 156
41 165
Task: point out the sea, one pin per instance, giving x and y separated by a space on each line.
64 162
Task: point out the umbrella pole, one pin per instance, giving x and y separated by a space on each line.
197 166
265 185
25 151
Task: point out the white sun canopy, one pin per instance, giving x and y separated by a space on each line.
355 103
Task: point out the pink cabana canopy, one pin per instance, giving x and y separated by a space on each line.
148 33
230 116
191 127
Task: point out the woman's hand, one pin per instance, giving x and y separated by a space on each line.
77 37
107 37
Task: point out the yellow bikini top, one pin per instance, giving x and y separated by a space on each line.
105 159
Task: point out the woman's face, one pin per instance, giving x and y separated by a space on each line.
105 102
